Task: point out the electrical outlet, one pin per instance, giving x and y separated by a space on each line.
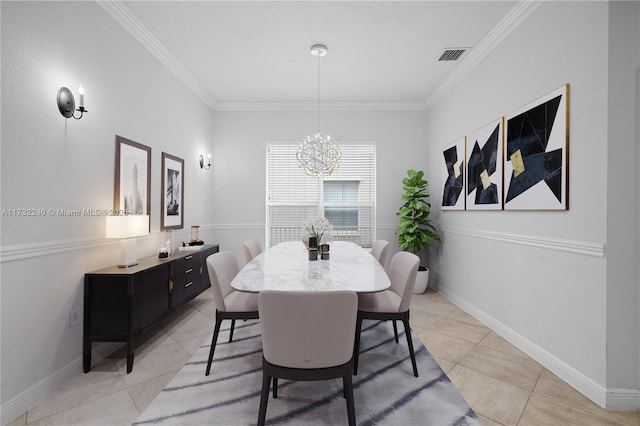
468 278
74 317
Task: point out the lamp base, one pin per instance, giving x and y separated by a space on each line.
128 249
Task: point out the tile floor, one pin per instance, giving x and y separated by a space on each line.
502 384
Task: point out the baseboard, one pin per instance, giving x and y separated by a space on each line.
37 393
611 399
623 399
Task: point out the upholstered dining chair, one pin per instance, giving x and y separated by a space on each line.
307 336
230 304
379 250
252 248
392 304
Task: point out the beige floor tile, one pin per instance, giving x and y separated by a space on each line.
144 393
434 295
489 397
204 303
553 387
206 307
446 347
486 421
103 379
493 341
21 420
420 320
502 366
186 324
433 306
115 409
193 344
460 315
542 410
151 364
461 330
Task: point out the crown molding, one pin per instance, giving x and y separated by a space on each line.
325 106
516 15
123 16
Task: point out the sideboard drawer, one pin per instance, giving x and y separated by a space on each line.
186 279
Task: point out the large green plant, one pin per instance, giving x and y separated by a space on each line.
415 228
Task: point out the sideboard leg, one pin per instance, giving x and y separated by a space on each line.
86 356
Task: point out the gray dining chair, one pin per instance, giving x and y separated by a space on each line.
307 336
379 250
230 304
252 248
392 304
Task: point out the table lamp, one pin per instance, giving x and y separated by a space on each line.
127 227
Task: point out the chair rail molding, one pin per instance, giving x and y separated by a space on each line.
15 252
47 248
586 248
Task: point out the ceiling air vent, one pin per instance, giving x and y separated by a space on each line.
452 54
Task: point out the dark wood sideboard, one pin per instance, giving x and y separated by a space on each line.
121 302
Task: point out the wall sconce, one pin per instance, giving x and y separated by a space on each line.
208 165
67 103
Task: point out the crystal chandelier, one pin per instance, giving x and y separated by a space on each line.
319 154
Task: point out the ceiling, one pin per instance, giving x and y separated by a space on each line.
241 54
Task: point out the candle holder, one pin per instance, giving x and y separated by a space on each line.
313 254
313 243
324 252
195 236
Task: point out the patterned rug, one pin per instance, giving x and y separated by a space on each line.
385 390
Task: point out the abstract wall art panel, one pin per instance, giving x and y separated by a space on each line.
536 154
453 176
484 168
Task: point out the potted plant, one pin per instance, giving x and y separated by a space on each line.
416 228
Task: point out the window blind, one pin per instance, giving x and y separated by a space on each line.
347 198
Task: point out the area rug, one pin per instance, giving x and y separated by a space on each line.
385 390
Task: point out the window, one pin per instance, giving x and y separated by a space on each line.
346 198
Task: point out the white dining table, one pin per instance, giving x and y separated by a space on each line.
286 267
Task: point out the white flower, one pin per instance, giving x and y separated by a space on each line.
317 227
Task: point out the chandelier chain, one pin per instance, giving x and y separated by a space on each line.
319 154
318 93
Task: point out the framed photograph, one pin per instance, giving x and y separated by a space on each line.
536 157
484 167
172 192
132 177
453 175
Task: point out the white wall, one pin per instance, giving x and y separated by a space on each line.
239 163
542 279
50 162
622 184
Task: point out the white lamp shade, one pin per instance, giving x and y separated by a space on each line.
127 226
